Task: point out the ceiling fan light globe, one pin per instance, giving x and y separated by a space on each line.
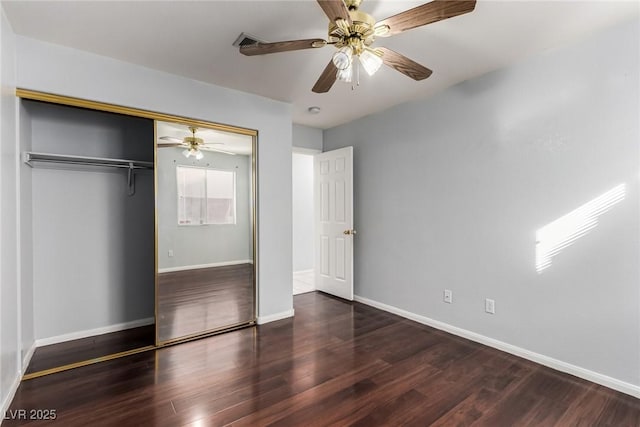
343 57
345 75
199 155
186 153
370 61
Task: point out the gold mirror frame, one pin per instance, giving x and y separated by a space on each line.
134 112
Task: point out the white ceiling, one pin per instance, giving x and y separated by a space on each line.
194 39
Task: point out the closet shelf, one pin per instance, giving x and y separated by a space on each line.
29 157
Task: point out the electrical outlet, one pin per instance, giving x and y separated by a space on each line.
448 296
170 253
490 306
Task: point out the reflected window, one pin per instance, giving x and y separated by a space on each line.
206 196
564 231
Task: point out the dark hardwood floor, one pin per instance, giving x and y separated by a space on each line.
204 299
334 364
70 352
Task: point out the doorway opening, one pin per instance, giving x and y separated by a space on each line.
303 223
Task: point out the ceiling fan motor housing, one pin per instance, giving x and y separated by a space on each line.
193 140
359 34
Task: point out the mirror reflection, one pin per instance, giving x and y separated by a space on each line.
205 248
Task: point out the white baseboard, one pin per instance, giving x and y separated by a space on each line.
303 271
16 382
197 266
547 361
273 317
97 331
27 357
10 395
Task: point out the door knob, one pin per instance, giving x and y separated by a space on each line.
349 232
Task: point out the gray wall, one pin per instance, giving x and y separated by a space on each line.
202 244
449 193
303 223
10 363
75 73
306 137
93 245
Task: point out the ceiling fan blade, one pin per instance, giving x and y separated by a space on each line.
171 139
265 48
403 64
173 144
326 80
335 9
217 150
434 11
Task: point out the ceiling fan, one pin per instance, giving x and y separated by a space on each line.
193 144
353 32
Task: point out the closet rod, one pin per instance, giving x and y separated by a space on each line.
29 157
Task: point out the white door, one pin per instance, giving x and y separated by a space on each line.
333 182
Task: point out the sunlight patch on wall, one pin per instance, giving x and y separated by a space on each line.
564 231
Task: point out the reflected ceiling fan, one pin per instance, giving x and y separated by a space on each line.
353 32
193 145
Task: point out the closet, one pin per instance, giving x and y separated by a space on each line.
92 215
89 191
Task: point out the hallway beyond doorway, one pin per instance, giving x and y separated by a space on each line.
303 281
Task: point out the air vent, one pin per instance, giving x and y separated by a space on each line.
245 39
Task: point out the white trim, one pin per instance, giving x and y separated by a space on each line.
547 361
18 201
273 317
303 150
311 270
11 393
197 266
27 358
93 332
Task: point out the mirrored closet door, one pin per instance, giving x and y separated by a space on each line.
205 203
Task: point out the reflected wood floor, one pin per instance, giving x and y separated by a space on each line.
66 353
336 363
204 299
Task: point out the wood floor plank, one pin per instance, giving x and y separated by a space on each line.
336 363
343 385
397 411
401 380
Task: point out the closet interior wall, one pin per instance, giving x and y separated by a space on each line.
93 245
